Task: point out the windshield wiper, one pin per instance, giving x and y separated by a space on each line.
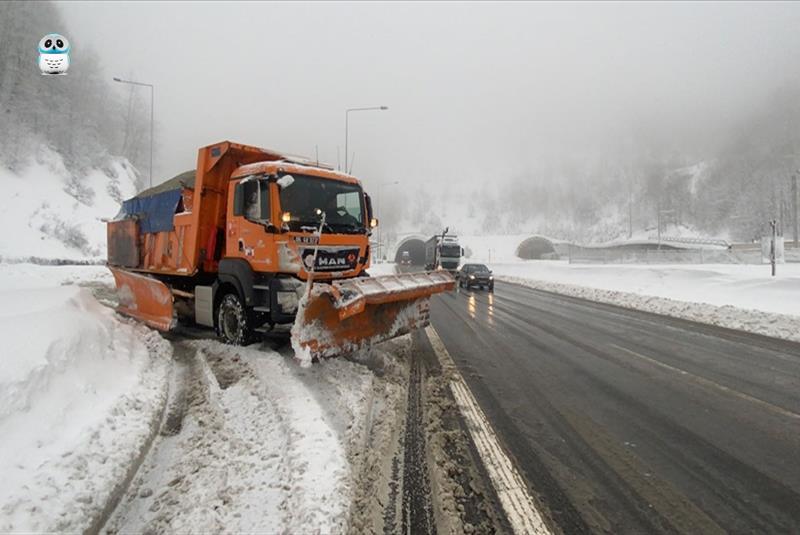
349 227
313 225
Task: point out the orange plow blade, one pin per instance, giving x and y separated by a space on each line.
345 316
144 298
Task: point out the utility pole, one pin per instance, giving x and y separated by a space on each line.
152 107
438 257
773 245
658 222
794 209
630 209
347 127
380 215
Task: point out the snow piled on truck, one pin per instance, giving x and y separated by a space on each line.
48 213
80 394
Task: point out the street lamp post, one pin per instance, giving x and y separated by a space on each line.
380 214
151 118
794 209
347 123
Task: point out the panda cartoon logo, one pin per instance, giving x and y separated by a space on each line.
53 54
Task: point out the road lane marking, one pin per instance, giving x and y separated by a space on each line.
713 384
508 484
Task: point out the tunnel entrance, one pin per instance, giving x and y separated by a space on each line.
415 248
536 248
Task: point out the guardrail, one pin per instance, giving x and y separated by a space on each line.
662 256
695 241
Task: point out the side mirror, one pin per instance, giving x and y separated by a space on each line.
285 181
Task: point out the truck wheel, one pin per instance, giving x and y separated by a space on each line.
233 322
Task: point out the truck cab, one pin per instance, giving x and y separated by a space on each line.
286 222
449 253
275 210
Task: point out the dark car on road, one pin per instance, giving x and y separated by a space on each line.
471 275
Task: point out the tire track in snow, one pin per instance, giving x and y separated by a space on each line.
417 507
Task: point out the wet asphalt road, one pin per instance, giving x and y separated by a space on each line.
627 422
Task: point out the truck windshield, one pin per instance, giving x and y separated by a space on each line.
451 250
341 202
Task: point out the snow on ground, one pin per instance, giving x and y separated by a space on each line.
264 443
80 392
47 213
492 248
265 446
736 296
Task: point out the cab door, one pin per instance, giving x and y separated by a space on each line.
249 228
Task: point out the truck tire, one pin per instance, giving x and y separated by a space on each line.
233 322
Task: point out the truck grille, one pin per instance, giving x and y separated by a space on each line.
330 259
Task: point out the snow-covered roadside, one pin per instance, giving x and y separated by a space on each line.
48 213
265 446
741 297
81 391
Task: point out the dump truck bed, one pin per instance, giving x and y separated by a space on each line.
179 232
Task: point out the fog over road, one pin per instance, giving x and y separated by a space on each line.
623 421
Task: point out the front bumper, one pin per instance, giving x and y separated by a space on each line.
285 294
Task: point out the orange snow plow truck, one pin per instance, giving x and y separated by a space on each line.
253 239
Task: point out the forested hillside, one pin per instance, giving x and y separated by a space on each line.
730 191
69 145
77 116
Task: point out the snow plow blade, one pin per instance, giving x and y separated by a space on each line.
144 298
345 316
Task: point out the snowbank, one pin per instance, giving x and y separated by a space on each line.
47 213
743 297
80 393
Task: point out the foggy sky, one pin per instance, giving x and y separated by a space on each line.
475 91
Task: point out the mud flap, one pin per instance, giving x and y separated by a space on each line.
144 298
345 316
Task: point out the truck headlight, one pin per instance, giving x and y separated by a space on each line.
491 278
472 277
287 301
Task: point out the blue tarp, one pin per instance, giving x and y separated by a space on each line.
155 212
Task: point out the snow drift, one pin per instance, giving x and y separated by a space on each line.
80 393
